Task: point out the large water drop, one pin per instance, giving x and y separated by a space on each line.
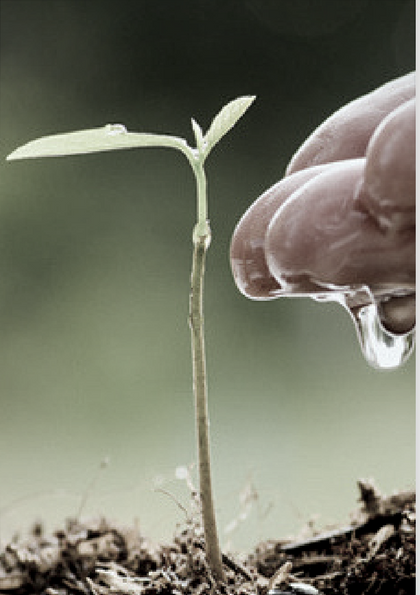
381 348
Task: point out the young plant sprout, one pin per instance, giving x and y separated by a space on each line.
115 136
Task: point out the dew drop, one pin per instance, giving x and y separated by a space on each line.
381 348
114 129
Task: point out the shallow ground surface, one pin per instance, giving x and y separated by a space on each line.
374 554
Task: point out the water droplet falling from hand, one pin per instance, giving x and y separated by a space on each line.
381 348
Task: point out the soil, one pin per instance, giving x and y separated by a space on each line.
374 554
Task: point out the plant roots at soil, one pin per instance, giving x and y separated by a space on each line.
374 554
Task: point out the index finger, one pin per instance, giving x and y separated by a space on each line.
346 133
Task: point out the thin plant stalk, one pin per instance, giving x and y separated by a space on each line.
201 243
201 409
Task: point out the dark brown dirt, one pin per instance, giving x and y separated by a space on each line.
375 554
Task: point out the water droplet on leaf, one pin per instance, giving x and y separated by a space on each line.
115 129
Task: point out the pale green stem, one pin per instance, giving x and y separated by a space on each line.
201 407
201 241
202 228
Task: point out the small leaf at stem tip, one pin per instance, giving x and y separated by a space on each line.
226 119
198 133
106 138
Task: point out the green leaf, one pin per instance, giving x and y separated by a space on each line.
225 120
107 138
198 133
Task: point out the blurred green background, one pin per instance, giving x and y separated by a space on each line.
95 261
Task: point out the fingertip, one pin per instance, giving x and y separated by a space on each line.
389 186
309 242
398 313
247 251
345 134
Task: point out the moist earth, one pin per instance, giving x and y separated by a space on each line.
373 554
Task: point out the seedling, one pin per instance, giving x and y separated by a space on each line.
115 136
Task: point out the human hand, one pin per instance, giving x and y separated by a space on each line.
341 223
